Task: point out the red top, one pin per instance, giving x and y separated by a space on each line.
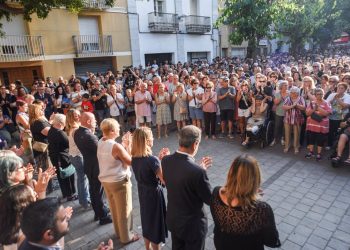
86 106
315 126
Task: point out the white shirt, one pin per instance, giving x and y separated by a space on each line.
111 170
75 95
113 109
198 91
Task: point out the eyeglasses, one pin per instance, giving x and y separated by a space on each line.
262 81
208 87
319 94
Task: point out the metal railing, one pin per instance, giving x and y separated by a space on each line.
21 48
95 4
93 45
162 22
197 24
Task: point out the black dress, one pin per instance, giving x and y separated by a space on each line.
242 229
151 198
59 156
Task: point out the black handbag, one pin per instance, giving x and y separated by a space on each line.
315 116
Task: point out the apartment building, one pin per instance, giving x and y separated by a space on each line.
64 43
172 30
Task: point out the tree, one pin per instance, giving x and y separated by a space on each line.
39 7
252 20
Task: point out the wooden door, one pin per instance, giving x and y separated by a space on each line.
26 74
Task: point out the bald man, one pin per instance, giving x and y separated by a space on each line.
87 144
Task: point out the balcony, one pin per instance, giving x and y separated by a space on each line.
93 45
197 24
95 4
162 22
21 48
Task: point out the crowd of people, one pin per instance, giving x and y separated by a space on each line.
99 131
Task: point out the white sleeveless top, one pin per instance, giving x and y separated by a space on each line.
73 148
111 170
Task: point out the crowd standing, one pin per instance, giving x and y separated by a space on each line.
98 128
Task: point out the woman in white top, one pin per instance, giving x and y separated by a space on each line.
114 161
73 123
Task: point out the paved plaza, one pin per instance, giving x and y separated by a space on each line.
310 199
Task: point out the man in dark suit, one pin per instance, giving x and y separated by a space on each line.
46 98
87 144
188 189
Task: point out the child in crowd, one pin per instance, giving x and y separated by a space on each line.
86 104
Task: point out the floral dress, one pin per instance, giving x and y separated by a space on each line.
163 111
180 109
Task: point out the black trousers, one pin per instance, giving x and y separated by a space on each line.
67 185
210 123
333 128
96 196
180 244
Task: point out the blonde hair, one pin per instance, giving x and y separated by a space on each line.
70 122
140 148
108 125
243 181
35 112
309 78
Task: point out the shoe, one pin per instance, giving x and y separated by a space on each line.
273 143
286 150
96 218
221 136
106 220
318 157
206 137
244 144
230 136
296 151
72 198
282 142
309 155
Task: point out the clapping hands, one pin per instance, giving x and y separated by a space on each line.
127 140
43 180
163 152
206 162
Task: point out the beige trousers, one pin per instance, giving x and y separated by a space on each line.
119 195
296 135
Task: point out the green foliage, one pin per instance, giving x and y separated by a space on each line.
40 7
252 19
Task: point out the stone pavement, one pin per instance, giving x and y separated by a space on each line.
311 200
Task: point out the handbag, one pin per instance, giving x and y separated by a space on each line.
316 117
40 146
67 172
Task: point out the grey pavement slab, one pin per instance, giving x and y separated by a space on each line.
311 200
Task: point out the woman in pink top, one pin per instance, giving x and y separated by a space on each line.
317 131
209 108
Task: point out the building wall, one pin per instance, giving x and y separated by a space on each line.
178 44
57 32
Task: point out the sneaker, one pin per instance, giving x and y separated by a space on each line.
273 143
309 155
296 151
282 142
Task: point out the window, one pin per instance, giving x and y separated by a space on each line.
159 6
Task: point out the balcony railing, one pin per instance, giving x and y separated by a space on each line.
162 22
197 24
21 48
93 45
95 4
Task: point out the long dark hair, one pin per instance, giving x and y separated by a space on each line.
12 203
57 94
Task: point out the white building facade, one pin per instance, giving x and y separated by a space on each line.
173 30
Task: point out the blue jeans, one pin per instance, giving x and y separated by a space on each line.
82 181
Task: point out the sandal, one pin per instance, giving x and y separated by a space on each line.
337 159
347 161
136 237
244 144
